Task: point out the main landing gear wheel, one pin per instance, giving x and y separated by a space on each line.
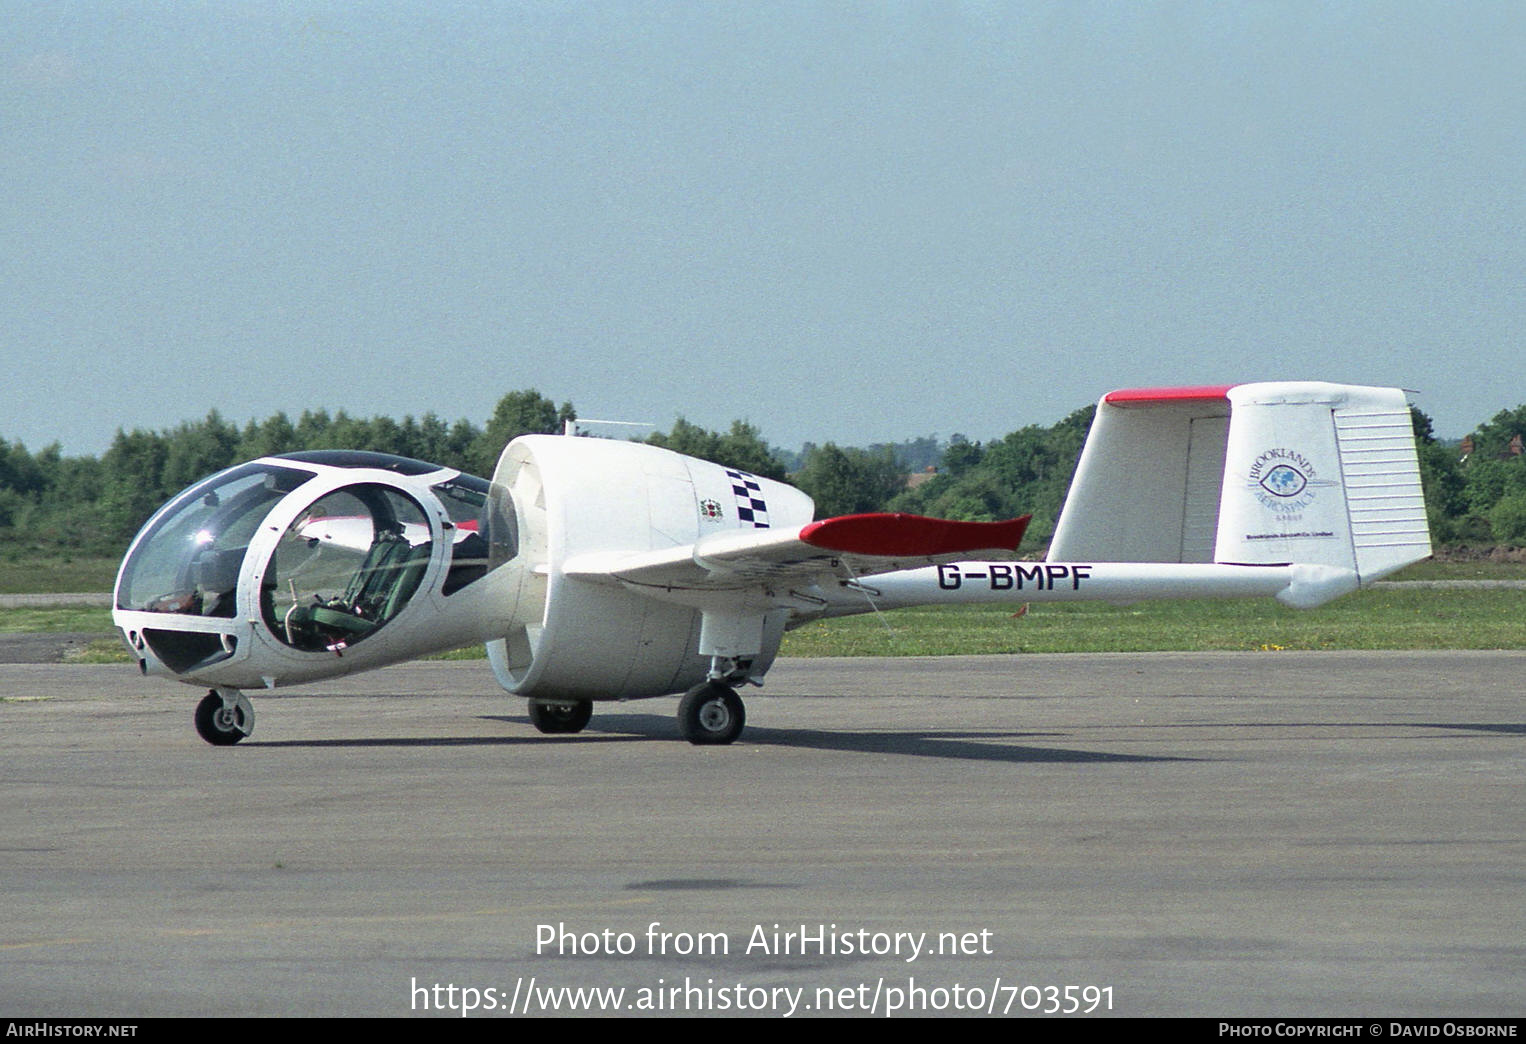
711 713
560 717
223 725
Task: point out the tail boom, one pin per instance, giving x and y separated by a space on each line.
1302 585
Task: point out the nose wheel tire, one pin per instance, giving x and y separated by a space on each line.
556 718
711 713
222 724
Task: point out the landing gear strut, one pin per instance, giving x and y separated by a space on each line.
711 713
224 716
560 717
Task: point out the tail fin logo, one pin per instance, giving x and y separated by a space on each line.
1284 481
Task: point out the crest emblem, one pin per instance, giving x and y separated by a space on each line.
710 510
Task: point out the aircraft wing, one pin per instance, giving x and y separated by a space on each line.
832 549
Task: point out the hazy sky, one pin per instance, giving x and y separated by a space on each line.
842 221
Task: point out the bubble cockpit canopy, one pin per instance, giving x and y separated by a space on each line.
351 554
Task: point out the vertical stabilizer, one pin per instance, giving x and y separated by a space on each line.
1147 486
1321 474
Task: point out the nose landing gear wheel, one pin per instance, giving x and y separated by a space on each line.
711 713
223 725
556 718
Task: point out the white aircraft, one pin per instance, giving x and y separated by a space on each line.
600 570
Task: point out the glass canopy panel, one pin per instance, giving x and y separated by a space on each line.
344 567
485 534
188 559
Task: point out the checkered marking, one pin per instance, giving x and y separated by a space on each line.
751 509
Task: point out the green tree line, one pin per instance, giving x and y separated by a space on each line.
94 505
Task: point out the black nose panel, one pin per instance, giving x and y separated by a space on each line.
183 651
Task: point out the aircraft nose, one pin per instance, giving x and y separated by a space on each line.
177 590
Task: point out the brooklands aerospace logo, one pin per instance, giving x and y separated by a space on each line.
1285 481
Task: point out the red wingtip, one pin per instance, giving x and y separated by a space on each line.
912 536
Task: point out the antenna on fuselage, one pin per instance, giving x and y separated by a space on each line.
571 425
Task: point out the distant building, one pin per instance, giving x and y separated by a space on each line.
1514 448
